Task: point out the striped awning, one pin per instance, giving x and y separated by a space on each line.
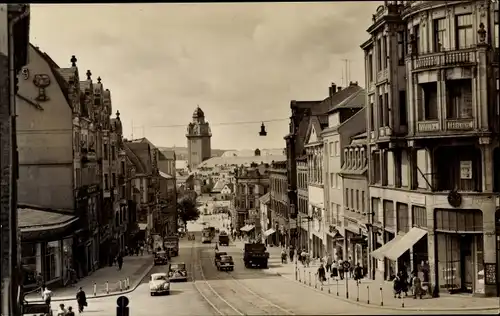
269 232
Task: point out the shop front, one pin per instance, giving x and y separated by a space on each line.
46 246
459 250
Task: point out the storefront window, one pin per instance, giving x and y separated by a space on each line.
448 248
29 262
53 260
479 288
67 258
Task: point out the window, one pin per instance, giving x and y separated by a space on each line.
403 217
464 36
385 52
52 261
347 198
416 34
419 216
459 98
387 106
376 168
106 182
363 210
380 110
440 35
375 209
401 48
78 176
337 213
113 179
389 220
428 109
372 114
357 200
495 30
113 153
379 54
337 148
370 67
352 199
403 118
105 153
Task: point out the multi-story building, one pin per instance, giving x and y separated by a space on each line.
14 46
356 207
303 224
198 139
315 174
168 190
432 116
266 219
345 119
278 203
251 183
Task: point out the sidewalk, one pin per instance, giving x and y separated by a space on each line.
371 293
134 267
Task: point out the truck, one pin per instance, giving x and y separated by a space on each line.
171 244
223 239
255 254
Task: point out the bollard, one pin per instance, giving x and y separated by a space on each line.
128 283
95 289
357 291
337 287
299 274
368 296
107 287
381 297
329 286
316 281
121 285
296 272
402 300
309 278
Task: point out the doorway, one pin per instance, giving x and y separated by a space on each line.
466 263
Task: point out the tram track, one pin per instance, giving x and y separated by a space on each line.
237 297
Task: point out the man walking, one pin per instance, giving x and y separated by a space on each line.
81 299
47 295
119 260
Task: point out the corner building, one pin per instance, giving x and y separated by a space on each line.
432 121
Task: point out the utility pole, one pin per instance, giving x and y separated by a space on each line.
14 41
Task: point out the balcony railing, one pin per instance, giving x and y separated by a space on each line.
443 59
427 126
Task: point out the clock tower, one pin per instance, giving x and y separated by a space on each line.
198 139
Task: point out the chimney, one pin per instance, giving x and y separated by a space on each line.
339 88
332 89
353 83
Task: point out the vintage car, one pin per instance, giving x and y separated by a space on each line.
177 272
161 257
219 254
225 263
159 284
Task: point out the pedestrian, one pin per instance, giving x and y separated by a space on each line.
321 273
335 270
416 286
81 299
46 295
119 260
61 311
329 262
283 256
142 250
358 273
351 268
70 311
396 285
291 253
341 268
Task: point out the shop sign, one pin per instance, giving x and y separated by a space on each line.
417 199
466 170
490 273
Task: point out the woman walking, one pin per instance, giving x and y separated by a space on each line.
81 299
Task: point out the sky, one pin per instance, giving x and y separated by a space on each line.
239 62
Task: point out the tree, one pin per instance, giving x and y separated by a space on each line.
187 210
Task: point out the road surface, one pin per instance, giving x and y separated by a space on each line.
239 292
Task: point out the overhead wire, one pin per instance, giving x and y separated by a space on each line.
217 124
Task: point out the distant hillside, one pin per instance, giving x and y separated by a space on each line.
182 152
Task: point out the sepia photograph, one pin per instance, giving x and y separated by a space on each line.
253 158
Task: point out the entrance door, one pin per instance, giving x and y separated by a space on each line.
466 263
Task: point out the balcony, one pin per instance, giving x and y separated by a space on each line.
446 59
427 126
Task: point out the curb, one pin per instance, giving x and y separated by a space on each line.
89 297
411 309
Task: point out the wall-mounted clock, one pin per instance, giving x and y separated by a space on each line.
25 73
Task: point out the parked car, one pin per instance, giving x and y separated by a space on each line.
177 272
225 263
159 284
219 254
161 258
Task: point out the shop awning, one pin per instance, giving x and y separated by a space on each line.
247 228
269 232
143 226
380 252
405 243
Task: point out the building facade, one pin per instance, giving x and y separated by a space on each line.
198 139
356 208
303 224
278 204
315 174
433 183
